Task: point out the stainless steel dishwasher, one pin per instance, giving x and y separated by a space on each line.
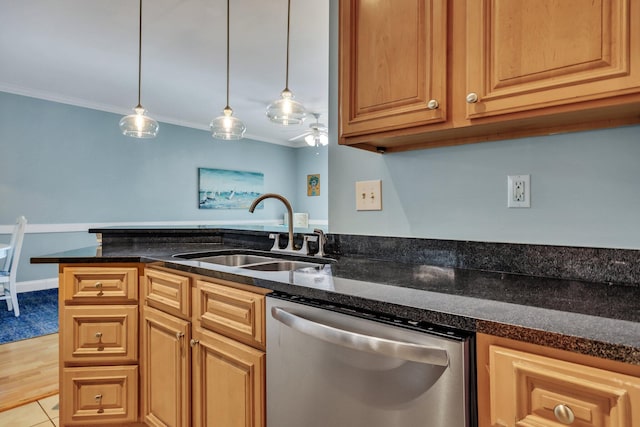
330 369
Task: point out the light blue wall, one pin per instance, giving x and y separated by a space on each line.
585 187
62 164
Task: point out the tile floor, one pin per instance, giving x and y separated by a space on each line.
43 413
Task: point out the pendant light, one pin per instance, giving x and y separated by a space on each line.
285 110
139 125
226 126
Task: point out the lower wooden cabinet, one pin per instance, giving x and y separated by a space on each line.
166 369
199 373
228 382
525 385
99 324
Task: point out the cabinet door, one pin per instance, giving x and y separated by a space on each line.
393 61
166 373
531 54
228 382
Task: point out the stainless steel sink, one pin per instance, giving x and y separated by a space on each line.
257 260
234 260
284 265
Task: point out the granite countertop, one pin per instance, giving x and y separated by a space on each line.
591 318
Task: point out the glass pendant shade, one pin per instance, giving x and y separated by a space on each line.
139 125
227 127
286 111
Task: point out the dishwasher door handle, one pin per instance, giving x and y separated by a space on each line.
356 341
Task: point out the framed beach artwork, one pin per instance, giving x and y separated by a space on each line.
313 185
228 189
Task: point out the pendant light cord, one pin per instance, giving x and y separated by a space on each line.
228 1
139 53
286 84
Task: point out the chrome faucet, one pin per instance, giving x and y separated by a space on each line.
290 247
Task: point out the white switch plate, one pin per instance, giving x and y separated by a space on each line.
518 191
369 195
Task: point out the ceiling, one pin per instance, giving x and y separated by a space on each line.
85 53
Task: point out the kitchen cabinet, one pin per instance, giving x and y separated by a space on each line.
99 344
166 369
203 356
393 64
521 384
426 73
229 355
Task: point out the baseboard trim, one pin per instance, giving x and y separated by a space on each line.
37 285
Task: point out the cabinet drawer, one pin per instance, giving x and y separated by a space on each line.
99 395
168 292
236 313
100 334
552 392
93 285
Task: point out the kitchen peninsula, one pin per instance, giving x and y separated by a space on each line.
562 301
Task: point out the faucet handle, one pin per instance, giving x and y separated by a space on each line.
305 240
322 240
276 241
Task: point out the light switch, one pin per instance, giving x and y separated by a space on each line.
369 195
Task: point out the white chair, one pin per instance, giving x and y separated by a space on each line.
8 273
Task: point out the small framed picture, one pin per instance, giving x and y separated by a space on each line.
313 185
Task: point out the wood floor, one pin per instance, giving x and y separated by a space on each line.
28 370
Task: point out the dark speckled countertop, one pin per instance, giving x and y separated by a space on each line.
430 281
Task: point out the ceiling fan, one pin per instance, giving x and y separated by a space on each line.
318 134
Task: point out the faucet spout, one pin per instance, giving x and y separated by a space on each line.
290 247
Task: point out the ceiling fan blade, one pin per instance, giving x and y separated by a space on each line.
300 136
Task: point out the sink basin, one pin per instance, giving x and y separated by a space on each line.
258 260
234 260
284 265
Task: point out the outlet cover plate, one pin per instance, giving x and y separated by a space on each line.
518 191
369 195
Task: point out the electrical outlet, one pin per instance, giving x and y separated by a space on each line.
518 191
369 195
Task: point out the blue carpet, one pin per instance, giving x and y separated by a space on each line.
38 316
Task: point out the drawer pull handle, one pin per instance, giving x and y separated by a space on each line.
98 285
98 397
98 335
179 335
193 342
472 98
564 414
433 104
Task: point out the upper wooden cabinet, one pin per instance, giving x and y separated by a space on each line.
427 73
533 54
394 64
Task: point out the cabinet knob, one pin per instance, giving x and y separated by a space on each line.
193 342
472 98
98 397
98 335
432 104
563 414
98 285
179 335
